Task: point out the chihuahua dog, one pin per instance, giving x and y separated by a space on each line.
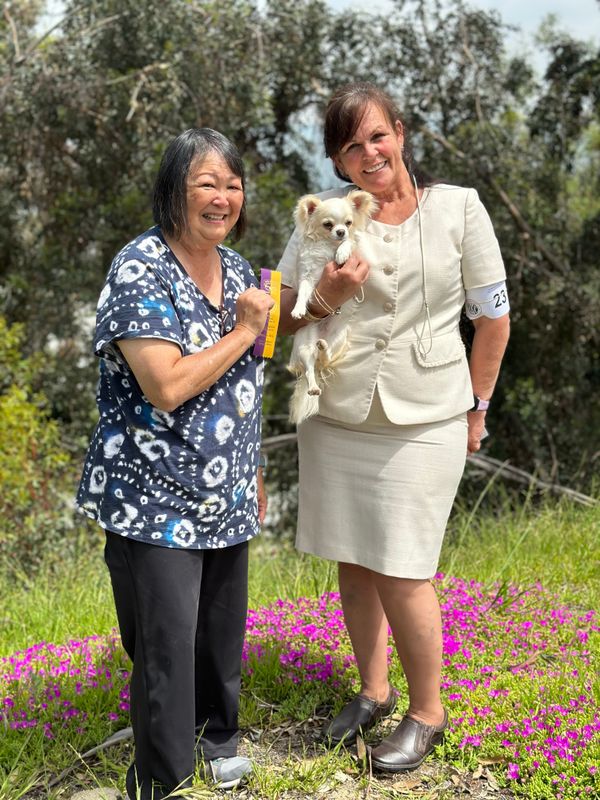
329 231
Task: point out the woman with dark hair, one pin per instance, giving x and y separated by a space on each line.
173 471
404 397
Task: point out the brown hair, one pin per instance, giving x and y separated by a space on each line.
344 113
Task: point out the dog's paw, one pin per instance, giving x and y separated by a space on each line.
321 344
297 313
314 392
342 254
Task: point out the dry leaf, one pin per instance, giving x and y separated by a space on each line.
407 785
341 777
491 780
361 750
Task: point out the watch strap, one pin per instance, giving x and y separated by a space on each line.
479 404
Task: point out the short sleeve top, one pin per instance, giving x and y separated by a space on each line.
186 478
414 355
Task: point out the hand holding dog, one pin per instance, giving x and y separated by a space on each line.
338 284
252 308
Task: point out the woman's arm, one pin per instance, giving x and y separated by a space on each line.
489 344
168 379
261 495
336 286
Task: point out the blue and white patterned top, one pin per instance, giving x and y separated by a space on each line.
186 478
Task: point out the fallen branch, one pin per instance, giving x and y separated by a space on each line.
486 463
503 468
116 738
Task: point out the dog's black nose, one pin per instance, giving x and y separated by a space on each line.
340 233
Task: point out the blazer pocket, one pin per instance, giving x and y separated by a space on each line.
443 350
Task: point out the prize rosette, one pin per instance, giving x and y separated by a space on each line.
270 281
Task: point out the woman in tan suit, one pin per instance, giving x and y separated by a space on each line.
381 462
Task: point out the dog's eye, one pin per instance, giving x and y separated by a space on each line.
348 223
328 225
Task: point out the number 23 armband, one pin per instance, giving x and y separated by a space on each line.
487 301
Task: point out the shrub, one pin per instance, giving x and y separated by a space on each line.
36 474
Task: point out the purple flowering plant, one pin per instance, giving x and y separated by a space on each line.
64 692
520 682
519 679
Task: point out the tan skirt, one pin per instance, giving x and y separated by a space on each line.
378 494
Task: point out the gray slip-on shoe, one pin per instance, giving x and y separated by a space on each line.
227 773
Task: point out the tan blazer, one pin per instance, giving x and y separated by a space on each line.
421 371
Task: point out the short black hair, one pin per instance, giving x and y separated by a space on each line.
169 205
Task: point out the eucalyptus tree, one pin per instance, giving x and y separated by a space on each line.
86 112
86 109
530 144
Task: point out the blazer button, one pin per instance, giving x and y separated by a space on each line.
388 238
387 307
388 270
380 344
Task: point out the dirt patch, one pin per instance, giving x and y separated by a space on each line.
293 764
296 747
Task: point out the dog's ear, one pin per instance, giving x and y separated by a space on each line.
305 208
364 203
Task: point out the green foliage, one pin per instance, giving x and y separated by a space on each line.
555 546
86 116
556 543
35 472
528 145
88 109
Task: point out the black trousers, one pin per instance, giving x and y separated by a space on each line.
182 618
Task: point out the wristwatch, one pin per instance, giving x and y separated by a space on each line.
479 404
262 461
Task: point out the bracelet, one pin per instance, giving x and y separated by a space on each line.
312 317
325 305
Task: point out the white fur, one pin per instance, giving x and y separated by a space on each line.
329 231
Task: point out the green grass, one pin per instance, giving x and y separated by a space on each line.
68 603
556 545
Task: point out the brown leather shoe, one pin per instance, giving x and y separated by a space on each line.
408 745
359 714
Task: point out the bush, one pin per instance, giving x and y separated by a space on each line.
36 474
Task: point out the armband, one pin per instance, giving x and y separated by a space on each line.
487 301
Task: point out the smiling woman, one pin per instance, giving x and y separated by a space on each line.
172 472
215 198
405 397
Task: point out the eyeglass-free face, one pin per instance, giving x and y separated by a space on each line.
214 200
373 158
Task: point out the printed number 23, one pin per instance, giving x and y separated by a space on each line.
500 298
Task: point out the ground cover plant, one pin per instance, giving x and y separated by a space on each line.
519 677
